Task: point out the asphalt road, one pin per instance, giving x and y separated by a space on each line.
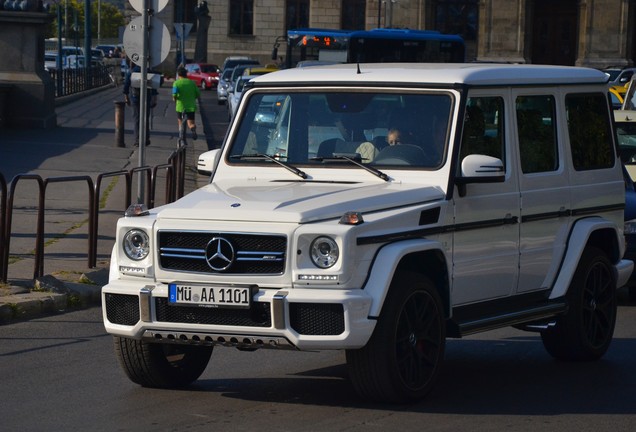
60 373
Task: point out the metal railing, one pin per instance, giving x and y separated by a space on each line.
74 80
174 189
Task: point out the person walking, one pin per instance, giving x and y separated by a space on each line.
131 97
185 93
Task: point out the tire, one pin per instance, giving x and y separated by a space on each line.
403 357
161 365
585 332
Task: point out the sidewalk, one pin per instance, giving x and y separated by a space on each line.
83 144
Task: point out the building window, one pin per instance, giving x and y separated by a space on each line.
241 17
184 12
353 13
457 17
296 14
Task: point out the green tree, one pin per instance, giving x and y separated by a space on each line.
111 19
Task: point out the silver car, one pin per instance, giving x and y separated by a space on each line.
224 84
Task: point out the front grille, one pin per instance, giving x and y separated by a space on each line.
185 251
317 318
259 315
122 309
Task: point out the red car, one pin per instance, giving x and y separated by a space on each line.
206 75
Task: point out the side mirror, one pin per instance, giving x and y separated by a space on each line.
477 168
480 166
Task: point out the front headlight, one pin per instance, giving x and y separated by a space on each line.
324 252
630 227
136 244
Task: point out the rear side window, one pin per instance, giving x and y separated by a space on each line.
537 134
590 131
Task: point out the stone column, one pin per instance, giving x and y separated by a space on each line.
29 92
502 31
604 37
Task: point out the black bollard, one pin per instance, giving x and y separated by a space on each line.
120 110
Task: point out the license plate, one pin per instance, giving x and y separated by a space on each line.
209 296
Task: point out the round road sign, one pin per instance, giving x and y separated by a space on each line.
158 41
155 5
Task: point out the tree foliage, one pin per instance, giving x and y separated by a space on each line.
73 12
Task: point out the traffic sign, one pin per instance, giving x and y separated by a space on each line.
158 41
182 30
155 5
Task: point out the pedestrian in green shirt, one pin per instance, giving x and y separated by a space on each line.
185 93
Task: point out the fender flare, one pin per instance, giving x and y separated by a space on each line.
577 241
385 265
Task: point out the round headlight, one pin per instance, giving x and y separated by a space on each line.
324 252
136 244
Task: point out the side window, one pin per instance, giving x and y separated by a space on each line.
536 124
590 131
483 128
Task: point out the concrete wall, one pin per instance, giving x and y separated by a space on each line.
28 90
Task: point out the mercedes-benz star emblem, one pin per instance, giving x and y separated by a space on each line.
219 254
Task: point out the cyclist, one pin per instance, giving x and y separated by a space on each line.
185 93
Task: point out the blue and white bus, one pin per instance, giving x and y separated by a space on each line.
373 46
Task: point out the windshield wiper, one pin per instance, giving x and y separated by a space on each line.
287 166
340 156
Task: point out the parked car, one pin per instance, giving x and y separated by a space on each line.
50 61
205 75
236 73
234 98
625 122
233 61
619 76
97 56
617 96
260 70
108 50
222 90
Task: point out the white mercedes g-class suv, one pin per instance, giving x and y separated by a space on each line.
379 209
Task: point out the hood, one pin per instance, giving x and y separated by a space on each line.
293 202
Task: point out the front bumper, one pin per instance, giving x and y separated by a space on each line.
305 319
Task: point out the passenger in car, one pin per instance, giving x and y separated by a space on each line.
393 137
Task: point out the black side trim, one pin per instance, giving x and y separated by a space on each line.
413 234
599 209
545 216
504 312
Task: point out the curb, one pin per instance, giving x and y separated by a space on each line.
51 295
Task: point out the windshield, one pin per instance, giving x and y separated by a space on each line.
402 130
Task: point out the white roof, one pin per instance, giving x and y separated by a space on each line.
480 74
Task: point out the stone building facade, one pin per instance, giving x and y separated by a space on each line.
596 33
